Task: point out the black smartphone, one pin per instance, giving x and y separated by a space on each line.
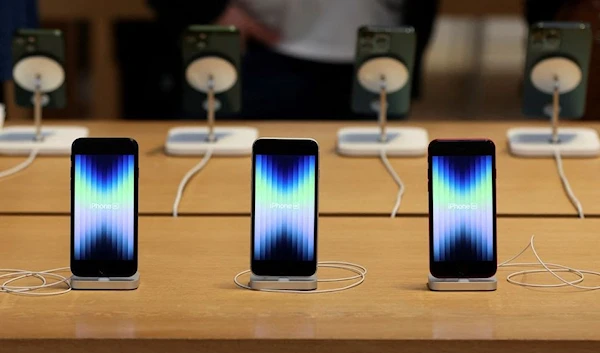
201 41
462 208
570 40
285 175
375 42
39 42
104 207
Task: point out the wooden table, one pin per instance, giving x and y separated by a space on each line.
348 185
187 301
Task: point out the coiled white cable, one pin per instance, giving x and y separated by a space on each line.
566 185
20 166
546 268
396 178
360 276
186 178
14 275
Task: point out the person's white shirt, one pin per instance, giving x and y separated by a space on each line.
320 30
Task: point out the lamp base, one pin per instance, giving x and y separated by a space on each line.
20 140
536 142
192 141
364 142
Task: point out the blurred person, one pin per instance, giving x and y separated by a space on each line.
298 54
13 15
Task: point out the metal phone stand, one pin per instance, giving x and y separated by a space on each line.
283 283
462 284
211 75
554 76
39 75
106 283
383 76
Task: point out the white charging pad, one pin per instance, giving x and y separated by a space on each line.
283 283
547 71
27 70
106 283
192 141
462 284
222 72
57 140
536 142
364 141
371 71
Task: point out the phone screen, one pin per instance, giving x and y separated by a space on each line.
463 210
104 207
284 222
284 208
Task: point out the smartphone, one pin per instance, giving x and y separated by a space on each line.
207 40
462 208
393 42
285 175
43 42
104 207
571 40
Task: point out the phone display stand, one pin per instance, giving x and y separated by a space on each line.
106 283
39 74
554 76
382 75
283 283
462 284
211 75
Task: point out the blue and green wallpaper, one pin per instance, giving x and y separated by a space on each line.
463 208
104 207
284 207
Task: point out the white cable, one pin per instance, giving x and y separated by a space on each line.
396 178
26 163
2 115
186 178
360 271
566 185
14 275
546 269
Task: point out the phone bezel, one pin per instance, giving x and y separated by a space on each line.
472 147
280 146
93 268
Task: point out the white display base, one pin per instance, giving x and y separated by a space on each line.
192 141
106 283
462 284
283 283
364 141
20 140
535 142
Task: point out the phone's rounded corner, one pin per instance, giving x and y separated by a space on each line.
314 142
76 142
257 142
432 144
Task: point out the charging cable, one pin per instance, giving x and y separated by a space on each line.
2 115
11 276
186 178
396 178
360 273
565 182
551 268
20 167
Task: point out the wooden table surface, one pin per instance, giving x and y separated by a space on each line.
187 299
348 185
